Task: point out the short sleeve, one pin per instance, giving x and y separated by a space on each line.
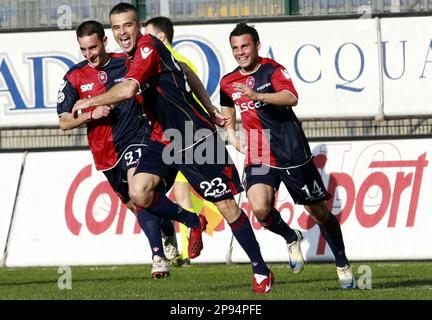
145 63
281 80
66 97
225 100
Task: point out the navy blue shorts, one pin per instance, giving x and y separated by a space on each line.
206 165
304 183
117 176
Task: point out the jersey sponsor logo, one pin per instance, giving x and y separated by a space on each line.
87 87
250 82
236 95
250 105
103 77
145 52
285 73
266 85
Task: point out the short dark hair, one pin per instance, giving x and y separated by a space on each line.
243 28
87 28
163 24
123 7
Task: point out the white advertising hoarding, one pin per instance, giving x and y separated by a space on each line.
336 72
9 176
381 195
74 218
407 66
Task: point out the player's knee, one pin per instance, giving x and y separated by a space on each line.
229 209
140 195
261 210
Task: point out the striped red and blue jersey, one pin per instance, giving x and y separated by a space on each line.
108 137
169 102
274 133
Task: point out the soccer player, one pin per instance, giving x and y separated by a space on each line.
163 29
180 130
277 149
116 137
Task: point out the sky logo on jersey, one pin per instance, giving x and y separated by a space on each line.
236 95
145 52
87 87
250 82
103 77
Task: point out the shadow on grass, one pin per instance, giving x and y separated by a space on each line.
51 281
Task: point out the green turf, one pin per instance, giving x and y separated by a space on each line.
392 280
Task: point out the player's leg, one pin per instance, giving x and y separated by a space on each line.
118 177
243 232
260 195
150 224
306 187
217 181
149 185
332 233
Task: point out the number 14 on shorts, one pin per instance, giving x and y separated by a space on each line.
316 191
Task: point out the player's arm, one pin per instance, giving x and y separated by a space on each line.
202 95
120 92
66 97
233 139
68 121
228 111
281 98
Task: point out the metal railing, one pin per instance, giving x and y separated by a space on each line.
315 130
66 14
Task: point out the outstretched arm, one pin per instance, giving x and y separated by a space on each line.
230 113
202 95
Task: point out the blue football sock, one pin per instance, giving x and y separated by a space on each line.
163 207
167 227
150 224
332 233
242 230
274 223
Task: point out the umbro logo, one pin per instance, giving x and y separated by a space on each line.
145 52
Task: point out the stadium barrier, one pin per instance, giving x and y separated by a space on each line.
66 213
10 174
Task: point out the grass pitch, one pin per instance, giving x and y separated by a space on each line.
389 280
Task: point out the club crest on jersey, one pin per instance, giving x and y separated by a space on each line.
103 77
250 82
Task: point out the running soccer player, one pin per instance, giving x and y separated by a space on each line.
116 137
183 138
277 149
